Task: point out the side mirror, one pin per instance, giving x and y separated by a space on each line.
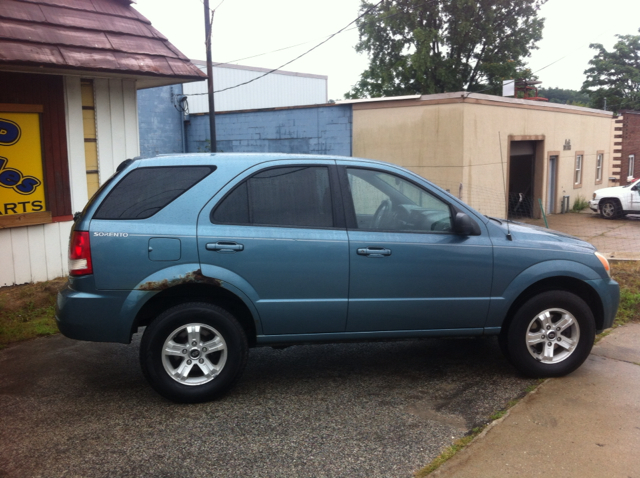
464 225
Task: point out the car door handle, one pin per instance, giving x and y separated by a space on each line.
225 247
373 251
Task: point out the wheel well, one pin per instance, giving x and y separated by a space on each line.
617 200
200 293
562 283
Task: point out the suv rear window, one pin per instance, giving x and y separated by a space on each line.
145 191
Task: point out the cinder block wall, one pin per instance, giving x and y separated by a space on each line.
159 121
629 144
314 130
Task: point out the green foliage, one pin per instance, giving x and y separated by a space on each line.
629 309
424 47
579 204
615 76
565 97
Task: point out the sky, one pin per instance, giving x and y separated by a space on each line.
247 32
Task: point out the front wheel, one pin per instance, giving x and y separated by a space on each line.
193 352
551 334
610 209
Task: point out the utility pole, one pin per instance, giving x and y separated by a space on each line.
212 109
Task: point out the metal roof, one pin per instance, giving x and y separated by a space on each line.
107 36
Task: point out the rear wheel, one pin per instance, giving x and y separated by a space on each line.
610 209
193 352
551 335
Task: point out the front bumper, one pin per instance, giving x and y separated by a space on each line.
609 292
593 205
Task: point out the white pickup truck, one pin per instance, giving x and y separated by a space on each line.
617 201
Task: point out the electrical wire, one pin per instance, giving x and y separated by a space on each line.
537 71
297 44
299 56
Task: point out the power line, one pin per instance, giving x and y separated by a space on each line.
299 56
538 70
297 44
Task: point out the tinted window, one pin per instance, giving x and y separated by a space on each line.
144 191
387 202
296 196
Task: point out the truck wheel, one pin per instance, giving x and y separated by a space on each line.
551 335
193 352
610 209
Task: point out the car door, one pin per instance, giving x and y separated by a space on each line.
279 228
635 196
408 269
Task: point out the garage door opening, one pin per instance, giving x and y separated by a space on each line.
521 174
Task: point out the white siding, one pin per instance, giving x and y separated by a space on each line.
39 252
273 91
116 123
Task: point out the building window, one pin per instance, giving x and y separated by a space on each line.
599 165
632 160
577 177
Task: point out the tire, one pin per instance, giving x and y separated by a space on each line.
610 209
551 334
193 352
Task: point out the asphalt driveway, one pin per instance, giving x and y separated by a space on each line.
72 408
617 239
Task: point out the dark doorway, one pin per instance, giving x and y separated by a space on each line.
521 176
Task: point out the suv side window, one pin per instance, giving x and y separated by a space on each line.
387 202
297 196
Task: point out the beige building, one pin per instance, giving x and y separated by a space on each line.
500 155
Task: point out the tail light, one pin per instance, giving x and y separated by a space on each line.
80 254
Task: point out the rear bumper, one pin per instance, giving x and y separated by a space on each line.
86 314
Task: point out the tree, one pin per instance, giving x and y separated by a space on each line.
564 96
435 46
615 76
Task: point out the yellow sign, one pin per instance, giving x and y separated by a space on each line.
21 172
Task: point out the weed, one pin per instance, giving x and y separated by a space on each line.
579 204
448 453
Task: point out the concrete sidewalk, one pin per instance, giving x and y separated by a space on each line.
584 425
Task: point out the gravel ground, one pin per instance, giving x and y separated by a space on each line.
383 409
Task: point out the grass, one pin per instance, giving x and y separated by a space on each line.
27 311
579 204
628 276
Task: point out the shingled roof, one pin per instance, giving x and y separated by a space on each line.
106 36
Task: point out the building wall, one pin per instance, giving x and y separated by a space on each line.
39 252
428 140
463 146
628 143
489 128
161 123
319 130
276 90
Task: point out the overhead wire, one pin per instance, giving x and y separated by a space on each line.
299 56
538 70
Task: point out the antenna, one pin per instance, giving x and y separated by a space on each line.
506 198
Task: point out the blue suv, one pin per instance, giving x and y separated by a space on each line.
217 253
